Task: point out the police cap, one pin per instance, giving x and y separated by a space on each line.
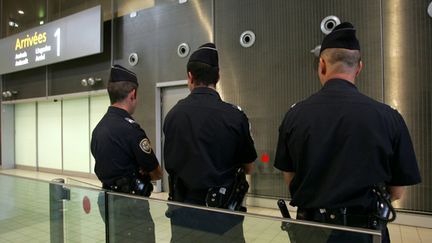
343 36
119 73
207 54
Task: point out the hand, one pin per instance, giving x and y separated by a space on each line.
142 172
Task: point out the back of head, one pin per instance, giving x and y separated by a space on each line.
204 65
341 48
342 60
122 81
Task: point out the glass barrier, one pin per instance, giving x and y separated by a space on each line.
134 219
40 211
24 210
82 220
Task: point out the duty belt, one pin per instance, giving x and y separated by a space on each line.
354 217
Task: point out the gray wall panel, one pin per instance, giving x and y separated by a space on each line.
267 78
137 35
29 83
155 34
189 23
408 86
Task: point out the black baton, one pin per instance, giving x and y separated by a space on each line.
283 208
285 226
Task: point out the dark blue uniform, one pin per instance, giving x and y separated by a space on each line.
340 143
206 141
121 148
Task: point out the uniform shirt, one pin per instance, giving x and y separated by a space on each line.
120 147
206 140
339 143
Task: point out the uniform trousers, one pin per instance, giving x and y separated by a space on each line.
129 219
197 225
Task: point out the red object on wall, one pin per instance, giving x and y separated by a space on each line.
265 158
86 205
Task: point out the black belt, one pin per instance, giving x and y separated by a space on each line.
354 217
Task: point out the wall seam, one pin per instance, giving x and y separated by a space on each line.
37 136
89 132
61 135
382 51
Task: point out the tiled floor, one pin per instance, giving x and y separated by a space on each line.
24 214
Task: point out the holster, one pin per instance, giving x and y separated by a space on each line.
231 196
177 189
384 211
141 186
176 193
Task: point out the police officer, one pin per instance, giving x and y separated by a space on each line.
206 141
336 146
125 161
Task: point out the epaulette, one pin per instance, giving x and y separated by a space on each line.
236 107
131 121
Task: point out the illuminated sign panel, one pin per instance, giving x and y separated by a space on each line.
71 37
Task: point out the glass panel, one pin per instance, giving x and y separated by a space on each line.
24 210
25 134
76 144
98 108
83 222
77 215
49 145
139 219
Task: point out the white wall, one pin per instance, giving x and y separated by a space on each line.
98 108
25 134
8 136
56 135
49 134
76 133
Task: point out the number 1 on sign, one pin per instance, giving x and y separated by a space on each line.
57 36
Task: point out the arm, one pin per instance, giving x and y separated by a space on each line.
288 176
156 174
249 168
396 192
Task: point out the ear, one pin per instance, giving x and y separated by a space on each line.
359 69
322 66
133 94
190 81
190 77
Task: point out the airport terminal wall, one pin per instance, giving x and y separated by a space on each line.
264 71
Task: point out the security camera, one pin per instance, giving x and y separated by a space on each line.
84 82
133 59
9 94
429 10
329 23
91 81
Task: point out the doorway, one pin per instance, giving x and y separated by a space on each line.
168 94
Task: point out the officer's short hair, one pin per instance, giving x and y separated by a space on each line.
118 91
349 58
203 73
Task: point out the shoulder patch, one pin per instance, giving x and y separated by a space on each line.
131 121
236 107
145 146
